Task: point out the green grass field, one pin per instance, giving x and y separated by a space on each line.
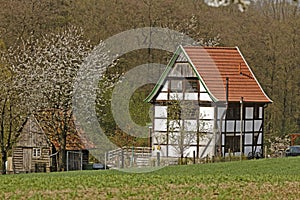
254 179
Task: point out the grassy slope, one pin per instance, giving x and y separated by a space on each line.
256 179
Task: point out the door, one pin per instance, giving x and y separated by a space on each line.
27 158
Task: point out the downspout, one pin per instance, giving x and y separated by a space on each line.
221 120
241 127
263 147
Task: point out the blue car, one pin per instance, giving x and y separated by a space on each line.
293 151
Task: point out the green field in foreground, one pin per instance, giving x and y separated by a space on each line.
254 179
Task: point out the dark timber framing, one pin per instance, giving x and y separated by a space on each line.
220 115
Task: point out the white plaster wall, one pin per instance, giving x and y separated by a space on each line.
260 112
249 113
205 97
190 125
248 125
259 141
248 138
191 96
202 88
207 149
221 110
257 125
161 111
223 140
206 125
203 151
247 150
160 124
230 126
223 125
165 87
162 96
176 96
206 112
238 126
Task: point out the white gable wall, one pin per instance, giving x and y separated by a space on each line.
182 84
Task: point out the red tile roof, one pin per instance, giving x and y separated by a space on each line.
52 123
215 64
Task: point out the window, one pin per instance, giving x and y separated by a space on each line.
191 86
256 113
232 143
233 113
36 152
176 85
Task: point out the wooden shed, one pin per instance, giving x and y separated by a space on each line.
32 150
77 147
38 146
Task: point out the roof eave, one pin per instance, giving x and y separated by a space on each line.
214 99
154 91
269 100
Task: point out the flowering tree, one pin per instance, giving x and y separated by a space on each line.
278 144
242 4
11 113
45 69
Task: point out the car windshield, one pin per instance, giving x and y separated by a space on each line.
295 149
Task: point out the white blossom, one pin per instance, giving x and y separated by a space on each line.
45 68
242 4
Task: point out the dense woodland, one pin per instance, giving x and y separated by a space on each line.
267 33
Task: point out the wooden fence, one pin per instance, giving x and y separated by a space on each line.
129 157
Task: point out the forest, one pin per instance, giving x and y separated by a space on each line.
267 33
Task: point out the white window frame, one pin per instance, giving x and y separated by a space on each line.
36 152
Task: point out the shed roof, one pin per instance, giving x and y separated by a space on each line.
52 123
213 66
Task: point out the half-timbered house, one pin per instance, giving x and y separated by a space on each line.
221 104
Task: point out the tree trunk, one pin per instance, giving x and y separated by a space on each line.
4 159
63 152
62 160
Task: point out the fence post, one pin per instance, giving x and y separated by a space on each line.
132 157
266 151
105 159
122 158
194 157
67 161
81 154
158 158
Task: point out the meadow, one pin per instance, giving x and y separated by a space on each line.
254 179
